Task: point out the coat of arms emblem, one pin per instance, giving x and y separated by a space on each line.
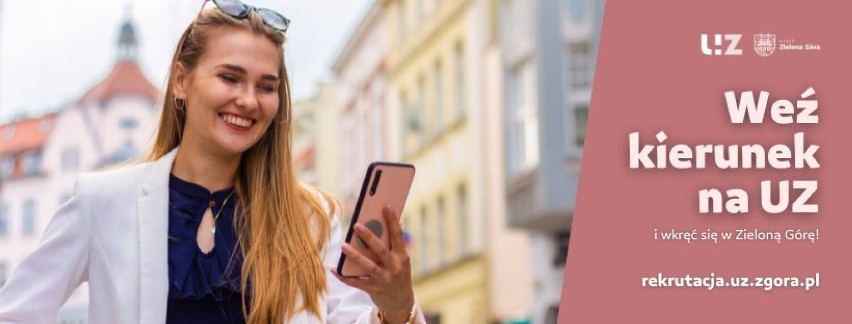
764 44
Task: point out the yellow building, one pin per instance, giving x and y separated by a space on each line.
467 266
315 146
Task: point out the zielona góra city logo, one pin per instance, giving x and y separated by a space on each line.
764 44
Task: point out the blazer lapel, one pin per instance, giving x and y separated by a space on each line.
153 211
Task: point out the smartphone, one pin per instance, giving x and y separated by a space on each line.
385 183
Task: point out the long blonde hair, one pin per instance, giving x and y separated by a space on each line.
281 226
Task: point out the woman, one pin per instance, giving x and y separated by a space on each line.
214 227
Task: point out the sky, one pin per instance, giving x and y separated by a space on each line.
52 51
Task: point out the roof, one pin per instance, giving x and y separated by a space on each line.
356 39
305 158
25 134
126 78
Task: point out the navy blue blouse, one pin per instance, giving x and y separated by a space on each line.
203 288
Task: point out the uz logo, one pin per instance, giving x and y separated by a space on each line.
731 39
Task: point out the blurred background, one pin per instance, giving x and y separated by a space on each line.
487 98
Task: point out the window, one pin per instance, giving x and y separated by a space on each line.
432 318
406 230
400 16
561 241
419 10
442 237
7 164
70 159
580 74
361 133
439 98
346 152
407 126
523 119
378 126
552 314
421 98
577 9
32 162
423 245
4 220
581 118
432 5
580 65
29 217
8 132
458 80
461 200
128 123
412 125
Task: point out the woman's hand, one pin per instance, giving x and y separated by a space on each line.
389 282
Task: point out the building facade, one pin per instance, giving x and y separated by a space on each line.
315 144
464 258
40 158
363 115
1 41
549 49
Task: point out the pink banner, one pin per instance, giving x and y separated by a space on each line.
712 187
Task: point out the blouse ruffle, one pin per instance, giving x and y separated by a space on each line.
194 275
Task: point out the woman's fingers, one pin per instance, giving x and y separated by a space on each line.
375 244
389 282
352 255
356 282
394 229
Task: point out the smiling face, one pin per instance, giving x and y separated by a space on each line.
231 94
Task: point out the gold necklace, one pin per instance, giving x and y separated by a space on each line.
216 216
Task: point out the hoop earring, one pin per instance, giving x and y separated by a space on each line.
180 105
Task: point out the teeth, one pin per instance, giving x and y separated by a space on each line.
242 122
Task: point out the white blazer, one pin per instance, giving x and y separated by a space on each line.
113 234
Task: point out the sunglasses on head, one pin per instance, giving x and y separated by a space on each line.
237 9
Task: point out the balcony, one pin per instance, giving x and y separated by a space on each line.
542 199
